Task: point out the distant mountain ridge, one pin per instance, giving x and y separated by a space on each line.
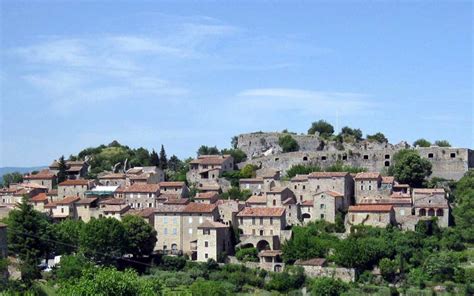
23 170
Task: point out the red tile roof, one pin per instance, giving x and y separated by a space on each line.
257 199
311 262
74 182
199 208
270 253
327 174
370 208
211 159
277 189
43 174
52 192
429 191
178 201
86 201
207 195
39 197
172 184
307 203
261 212
68 200
112 201
368 175
299 178
142 188
212 224
113 176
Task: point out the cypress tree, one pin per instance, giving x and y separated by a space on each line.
163 159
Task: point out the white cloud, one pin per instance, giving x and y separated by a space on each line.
303 101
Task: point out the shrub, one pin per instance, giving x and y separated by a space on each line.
288 143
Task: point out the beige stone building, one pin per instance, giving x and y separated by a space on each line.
262 227
228 210
76 169
213 241
194 214
145 175
208 168
44 178
73 188
39 201
169 230
206 197
377 215
87 208
113 208
113 179
368 185
326 205
430 203
15 193
62 209
173 187
139 195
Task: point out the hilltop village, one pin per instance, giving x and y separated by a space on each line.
252 197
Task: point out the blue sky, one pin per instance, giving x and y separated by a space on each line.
184 74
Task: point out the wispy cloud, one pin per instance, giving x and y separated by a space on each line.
304 101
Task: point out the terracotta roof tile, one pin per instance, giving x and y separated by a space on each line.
261 212
172 184
307 203
277 189
86 201
429 191
371 208
43 174
207 195
74 182
257 199
178 201
311 262
39 197
299 178
199 208
327 174
113 176
142 188
68 200
211 159
52 192
112 201
368 175
212 224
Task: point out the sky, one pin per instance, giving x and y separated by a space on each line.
185 74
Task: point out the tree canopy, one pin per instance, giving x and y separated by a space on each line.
422 143
140 235
288 143
410 168
12 178
324 128
377 137
442 143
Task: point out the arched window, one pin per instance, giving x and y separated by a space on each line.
439 212
274 202
422 212
431 212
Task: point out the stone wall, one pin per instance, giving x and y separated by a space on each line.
263 150
344 274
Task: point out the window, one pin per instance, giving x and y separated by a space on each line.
165 231
175 220
190 231
138 205
261 232
149 194
175 231
387 163
150 205
295 186
253 231
165 220
380 218
322 206
259 186
271 231
206 255
206 244
430 155
304 186
274 202
261 221
370 187
344 157
271 220
247 186
253 220
323 157
241 221
190 220
200 219
402 212
206 231
62 210
277 159
361 187
322 216
453 155
366 156
353 218
387 156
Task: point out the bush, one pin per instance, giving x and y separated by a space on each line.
288 143
290 279
325 286
247 255
324 128
173 263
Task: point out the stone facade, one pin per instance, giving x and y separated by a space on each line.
213 241
375 215
432 203
139 196
73 188
208 168
263 150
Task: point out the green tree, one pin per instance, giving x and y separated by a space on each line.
202 287
154 159
109 281
377 137
325 286
410 168
248 171
324 128
103 240
388 269
441 266
300 169
290 279
141 236
67 234
422 143
350 133
237 154
463 212
442 143
71 267
288 143
62 170
247 254
234 142
12 178
174 163
206 150
163 158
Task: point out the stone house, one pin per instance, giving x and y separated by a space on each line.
206 197
194 214
139 196
147 174
113 179
254 185
52 195
377 215
208 168
15 193
39 201
174 187
213 241
367 185
44 178
326 205
430 203
87 208
307 212
228 210
63 208
113 208
76 169
402 205
168 226
73 188
262 227
271 260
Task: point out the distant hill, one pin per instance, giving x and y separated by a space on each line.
6 170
